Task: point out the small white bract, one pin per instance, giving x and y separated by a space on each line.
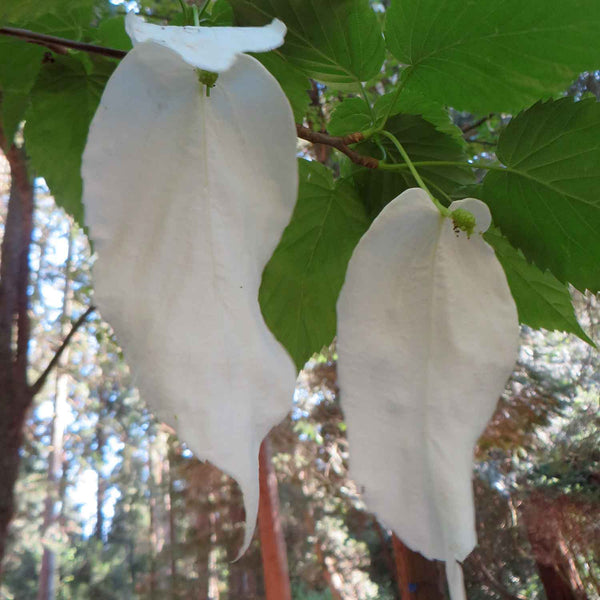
211 48
428 333
186 197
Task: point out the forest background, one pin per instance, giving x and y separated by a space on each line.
111 505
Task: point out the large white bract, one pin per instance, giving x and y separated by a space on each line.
427 336
186 197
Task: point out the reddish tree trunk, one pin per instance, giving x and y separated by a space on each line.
15 394
418 578
555 586
557 572
274 556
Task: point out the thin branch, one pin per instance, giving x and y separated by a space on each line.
37 386
54 43
496 586
340 143
468 128
476 141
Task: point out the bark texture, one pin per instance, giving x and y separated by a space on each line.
555 564
15 394
274 556
418 578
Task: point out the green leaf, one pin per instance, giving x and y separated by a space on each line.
111 34
413 103
488 55
62 18
218 14
542 301
17 10
63 102
423 142
20 64
351 115
546 201
221 14
293 82
14 105
70 22
302 280
338 42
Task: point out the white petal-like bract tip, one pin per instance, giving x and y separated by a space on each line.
210 48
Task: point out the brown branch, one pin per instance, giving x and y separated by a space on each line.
468 128
37 386
340 143
476 141
57 43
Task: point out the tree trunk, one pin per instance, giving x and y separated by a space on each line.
127 473
387 552
418 578
48 569
242 583
274 556
47 577
330 576
213 573
558 576
15 394
152 485
101 493
170 507
555 586
202 552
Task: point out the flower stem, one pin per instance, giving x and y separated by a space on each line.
443 210
445 163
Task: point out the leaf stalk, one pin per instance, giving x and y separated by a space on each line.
443 210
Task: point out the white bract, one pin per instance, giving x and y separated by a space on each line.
210 48
427 336
186 197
